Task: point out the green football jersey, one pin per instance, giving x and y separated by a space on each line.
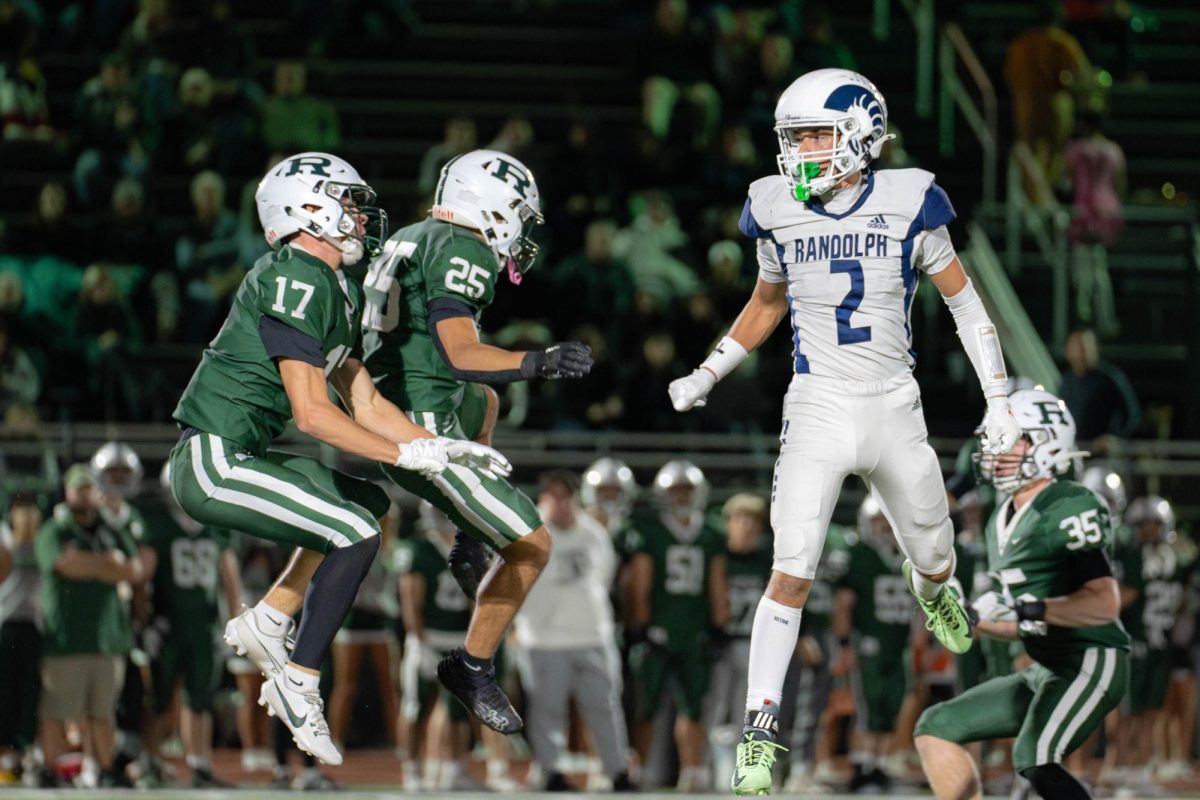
748 574
82 616
447 608
1159 576
883 606
1029 558
679 602
186 580
419 264
237 392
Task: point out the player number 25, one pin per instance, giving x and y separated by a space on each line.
467 279
1083 529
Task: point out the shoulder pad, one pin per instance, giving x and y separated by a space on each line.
916 192
769 206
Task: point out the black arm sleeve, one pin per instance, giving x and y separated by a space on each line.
441 308
284 341
1087 565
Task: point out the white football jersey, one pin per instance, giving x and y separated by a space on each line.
851 266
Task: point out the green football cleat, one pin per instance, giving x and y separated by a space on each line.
944 615
752 772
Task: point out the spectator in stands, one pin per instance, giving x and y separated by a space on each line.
776 71
673 74
51 230
206 258
595 272
83 557
729 171
1097 392
20 632
107 329
735 51
210 129
110 129
515 138
459 138
821 46
652 245
293 121
129 233
20 383
566 634
18 30
24 113
1096 169
1045 69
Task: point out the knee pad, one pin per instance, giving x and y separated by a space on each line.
934 551
1053 781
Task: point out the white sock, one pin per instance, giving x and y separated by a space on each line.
925 588
271 621
300 681
772 643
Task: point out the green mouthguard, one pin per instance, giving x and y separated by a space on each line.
805 173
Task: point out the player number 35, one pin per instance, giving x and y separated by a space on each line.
1084 529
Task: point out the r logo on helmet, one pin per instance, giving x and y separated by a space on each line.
1052 413
511 173
314 165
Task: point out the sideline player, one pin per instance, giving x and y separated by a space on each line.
292 332
425 293
1048 544
841 249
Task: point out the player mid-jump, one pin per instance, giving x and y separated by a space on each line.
841 249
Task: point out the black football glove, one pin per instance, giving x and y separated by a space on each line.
563 360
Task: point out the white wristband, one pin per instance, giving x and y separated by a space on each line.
725 358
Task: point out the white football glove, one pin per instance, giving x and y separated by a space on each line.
1000 429
991 608
426 456
477 456
689 391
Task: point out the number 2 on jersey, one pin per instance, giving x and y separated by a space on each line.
847 334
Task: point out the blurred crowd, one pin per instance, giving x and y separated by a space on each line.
629 657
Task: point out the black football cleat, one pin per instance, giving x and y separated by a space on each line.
479 692
469 561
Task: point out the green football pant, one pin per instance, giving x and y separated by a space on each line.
651 667
1051 711
1149 677
488 509
280 497
878 684
193 652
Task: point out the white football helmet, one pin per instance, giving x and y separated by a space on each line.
118 469
496 195
1152 508
608 472
1107 484
840 100
1048 426
681 472
340 195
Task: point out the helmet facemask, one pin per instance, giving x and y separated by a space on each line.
340 225
522 252
1044 458
848 153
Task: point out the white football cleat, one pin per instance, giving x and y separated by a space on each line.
303 713
268 652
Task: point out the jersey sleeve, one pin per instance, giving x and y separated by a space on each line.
46 547
935 212
769 268
464 270
934 250
1079 523
297 298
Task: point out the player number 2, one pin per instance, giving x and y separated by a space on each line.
847 334
1083 529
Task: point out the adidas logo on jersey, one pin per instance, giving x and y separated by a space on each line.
878 222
